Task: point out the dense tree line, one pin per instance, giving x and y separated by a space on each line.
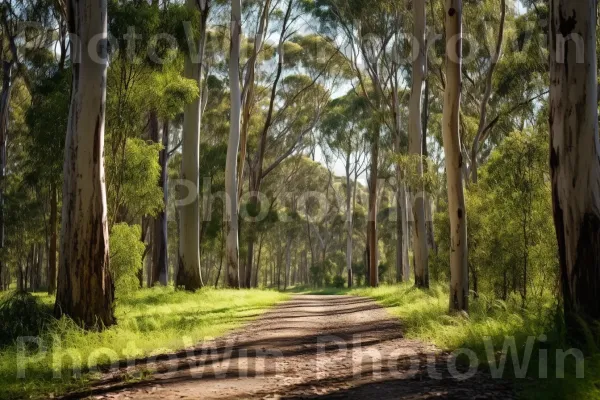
277 143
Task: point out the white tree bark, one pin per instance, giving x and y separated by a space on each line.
85 287
231 184
575 154
188 273
459 277
405 242
402 241
415 140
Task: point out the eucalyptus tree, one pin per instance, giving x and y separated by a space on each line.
415 144
231 183
306 71
188 271
85 286
459 274
574 155
343 128
505 77
248 87
370 33
495 57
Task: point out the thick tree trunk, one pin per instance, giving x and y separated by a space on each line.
231 184
53 239
160 264
415 148
459 274
188 271
574 155
85 286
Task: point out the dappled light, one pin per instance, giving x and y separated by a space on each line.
299 199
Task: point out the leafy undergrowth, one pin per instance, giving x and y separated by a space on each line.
424 315
150 322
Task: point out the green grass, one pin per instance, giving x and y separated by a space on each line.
151 321
424 315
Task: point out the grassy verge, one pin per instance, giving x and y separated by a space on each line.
424 315
151 321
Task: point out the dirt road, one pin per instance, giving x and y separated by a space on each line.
311 347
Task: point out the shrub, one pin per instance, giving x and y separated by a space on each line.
22 314
339 282
126 252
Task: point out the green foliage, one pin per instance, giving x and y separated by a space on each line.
410 164
136 174
151 322
169 92
47 122
339 281
126 252
512 246
424 316
21 314
323 273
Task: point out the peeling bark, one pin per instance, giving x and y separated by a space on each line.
85 287
574 155
459 274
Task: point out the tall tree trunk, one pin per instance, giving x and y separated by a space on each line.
428 198
231 184
53 239
85 286
349 228
459 274
574 154
20 279
372 220
31 267
404 222
257 270
188 272
154 136
160 264
5 95
400 210
486 96
415 146
288 261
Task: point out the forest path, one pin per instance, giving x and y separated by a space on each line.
311 346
